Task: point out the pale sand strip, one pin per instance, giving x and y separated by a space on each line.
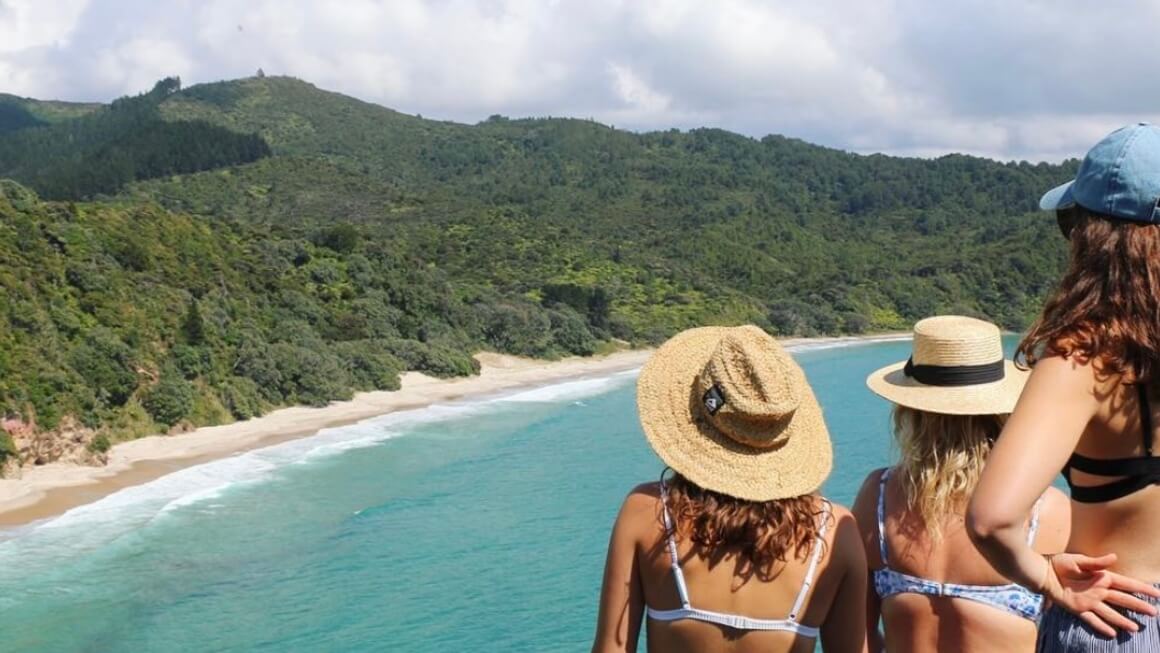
52 489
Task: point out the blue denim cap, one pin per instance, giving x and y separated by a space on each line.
1119 177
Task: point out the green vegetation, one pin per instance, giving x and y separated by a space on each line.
137 319
370 242
7 447
100 444
47 111
100 151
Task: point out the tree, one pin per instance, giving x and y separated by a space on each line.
171 400
192 325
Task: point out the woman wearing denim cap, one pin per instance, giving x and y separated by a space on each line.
1090 408
931 588
736 550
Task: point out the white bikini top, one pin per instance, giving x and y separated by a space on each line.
687 611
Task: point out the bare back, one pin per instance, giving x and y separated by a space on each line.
922 622
833 603
1125 525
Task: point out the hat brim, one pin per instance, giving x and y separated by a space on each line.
1058 198
995 398
671 417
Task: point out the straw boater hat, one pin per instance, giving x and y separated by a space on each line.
957 368
728 409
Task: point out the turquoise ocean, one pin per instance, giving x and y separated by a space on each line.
474 526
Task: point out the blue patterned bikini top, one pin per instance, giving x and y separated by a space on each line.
1012 598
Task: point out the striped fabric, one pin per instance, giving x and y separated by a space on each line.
1062 632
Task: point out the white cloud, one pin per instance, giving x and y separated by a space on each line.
26 24
1034 79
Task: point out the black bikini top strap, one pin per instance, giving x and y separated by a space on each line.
1138 473
1111 491
1115 466
1145 418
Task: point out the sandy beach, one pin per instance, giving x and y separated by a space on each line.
50 490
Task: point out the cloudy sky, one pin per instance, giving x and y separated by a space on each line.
1011 79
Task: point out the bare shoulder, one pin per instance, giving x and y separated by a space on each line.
839 511
640 510
868 493
1065 372
845 537
866 503
644 494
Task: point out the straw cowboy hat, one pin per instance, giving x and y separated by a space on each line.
957 368
728 409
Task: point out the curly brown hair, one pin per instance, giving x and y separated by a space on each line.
1107 307
760 534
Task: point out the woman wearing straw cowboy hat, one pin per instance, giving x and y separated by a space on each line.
735 551
1090 408
931 588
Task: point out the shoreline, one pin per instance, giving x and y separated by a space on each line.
51 490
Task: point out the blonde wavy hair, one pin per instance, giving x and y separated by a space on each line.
941 459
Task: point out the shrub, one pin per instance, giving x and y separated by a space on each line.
104 361
341 238
100 444
571 333
434 359
7 447
369 364
171 400
192 325
309 376
192 362
242 397
515 329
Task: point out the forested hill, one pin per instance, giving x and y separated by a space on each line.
805 238
99 150
313 244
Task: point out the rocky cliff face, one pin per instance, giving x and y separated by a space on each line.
70 442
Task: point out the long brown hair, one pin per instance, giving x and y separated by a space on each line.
1107 307
760 534
941 459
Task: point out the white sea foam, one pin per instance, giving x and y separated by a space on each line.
841 343
93 525
569 391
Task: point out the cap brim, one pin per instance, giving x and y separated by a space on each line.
672 424
1058 198
997 398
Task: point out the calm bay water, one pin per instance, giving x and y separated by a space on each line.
468 527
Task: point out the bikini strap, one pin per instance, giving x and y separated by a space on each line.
882 515
819 543
1034 527
674 560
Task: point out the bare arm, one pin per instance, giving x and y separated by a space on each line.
1056 406
622 596
844 629
866 514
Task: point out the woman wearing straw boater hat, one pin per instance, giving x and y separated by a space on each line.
1090 409
931 589
735 550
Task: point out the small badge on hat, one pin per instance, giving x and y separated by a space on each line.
713 399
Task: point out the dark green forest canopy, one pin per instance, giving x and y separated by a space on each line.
100 150
358 241
802 238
